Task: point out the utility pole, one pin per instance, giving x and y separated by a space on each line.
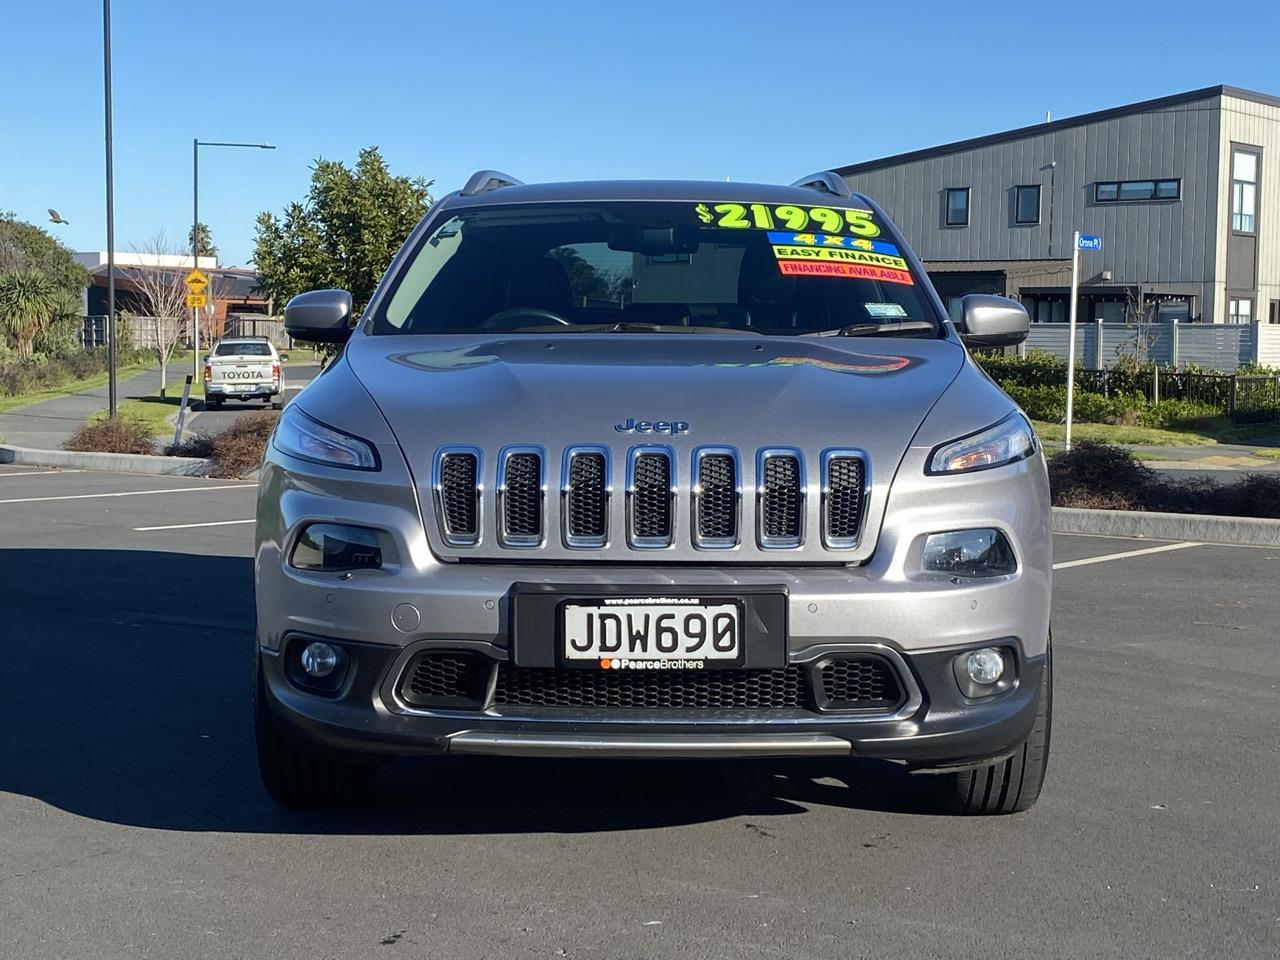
195 254
196 144
111 217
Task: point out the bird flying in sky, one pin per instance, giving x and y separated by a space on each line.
56 217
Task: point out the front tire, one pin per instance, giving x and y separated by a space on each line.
1010 785
294 774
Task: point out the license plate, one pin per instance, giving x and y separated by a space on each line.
652 633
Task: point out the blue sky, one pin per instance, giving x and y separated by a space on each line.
552 91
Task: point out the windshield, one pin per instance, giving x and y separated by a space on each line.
637 266
243 350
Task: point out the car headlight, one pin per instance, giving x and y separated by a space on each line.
300 436
1009 441
968 553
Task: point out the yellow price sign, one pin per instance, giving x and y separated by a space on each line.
761 216
197 300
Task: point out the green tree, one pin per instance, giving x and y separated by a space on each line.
24 246
27 300
344 233
203 240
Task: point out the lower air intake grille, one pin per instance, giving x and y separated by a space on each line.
587 500
860 682
458 496
447 679
782 501
522 499
717 500
651 500
844 500
652 689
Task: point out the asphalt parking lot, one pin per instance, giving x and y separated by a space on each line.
132 823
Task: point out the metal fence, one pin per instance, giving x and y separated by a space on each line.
145 333
1223 347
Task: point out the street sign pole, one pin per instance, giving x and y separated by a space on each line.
1071 335
195 250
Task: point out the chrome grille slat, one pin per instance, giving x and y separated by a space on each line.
844 495
717 494
651 495
780 503
520 497
457 487
587 492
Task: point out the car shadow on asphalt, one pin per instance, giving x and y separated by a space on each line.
125 697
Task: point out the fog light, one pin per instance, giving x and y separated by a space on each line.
968 553
985 666
334 547
319 659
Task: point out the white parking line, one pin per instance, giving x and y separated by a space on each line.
188 526
1121 556
132 493
36 473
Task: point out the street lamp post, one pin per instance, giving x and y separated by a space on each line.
111 221
195 230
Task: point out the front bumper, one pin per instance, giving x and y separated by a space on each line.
937 728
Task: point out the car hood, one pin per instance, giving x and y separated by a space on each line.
744 392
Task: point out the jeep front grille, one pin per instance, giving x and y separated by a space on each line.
681 503
716 497
651 499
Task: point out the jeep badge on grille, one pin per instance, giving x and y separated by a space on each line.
672 427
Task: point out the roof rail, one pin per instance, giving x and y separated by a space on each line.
482 181
828 181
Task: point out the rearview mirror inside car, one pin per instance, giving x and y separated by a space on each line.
653 241
319 316
990 321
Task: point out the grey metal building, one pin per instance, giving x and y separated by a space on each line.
1185 191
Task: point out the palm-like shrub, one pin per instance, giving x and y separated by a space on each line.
27 301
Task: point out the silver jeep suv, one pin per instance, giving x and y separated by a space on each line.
654 469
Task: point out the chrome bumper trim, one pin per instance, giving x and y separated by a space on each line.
545 745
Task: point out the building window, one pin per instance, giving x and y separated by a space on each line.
1274 315
1026 204
957 207
1244 190
1136 191
1240 310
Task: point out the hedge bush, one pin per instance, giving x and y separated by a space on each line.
1104 477
48 373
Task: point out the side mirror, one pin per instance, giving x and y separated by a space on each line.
319 316
991 321
284 358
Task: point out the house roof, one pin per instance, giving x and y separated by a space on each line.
1066 123
229 283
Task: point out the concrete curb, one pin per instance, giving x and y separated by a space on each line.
111 462
1140 524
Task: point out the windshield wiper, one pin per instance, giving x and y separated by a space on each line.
902 328
630 326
